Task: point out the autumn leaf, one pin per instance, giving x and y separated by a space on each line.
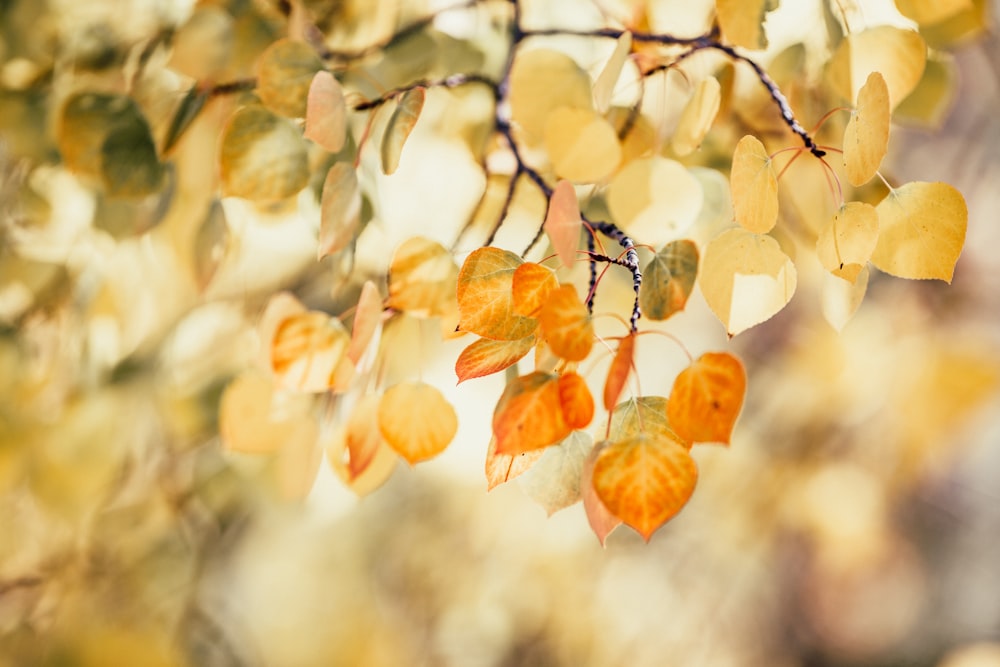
846 244
554 480
600 518
340 209
485 296
566 324
866 137
285 71
255 419
326 112
309 352
668 280
422 278
575 400
563 222
531 286
840 299
367 315
604 85
582 145
404 118
529 414
742 21
707 398
655 199
697 118
263 156
642 414
416 420
485 357
542 80
619 371
929 12
356 451
644 480
898 55
754 185
501 468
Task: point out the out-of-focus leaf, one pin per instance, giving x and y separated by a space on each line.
654 199
698 115
604 86
754 185
210 244
563 222
253 419
367 316
930 101
644 480
960 27
745 278
897 54
581 144
575 399
668 279
340 209
422 278
356 451
501 468
263 156
531 286
921 231
416 420
284 73
600 518
554 481
840 299
542 80
929 12
202 46
308 352
742 21
566 325
846 245
529 414
485 296
189 108
404 118
866 137
326 112
619 371
485 357
707 398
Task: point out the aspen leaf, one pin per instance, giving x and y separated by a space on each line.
189 108
697 118
581 144
566 324
642 414
847 243
563 222
295 466
668 279
618 372
576 401
404 118
928 12
898 55
542 80
285 71
604 86
959 27
263 156
529 414
253 420
210 244
754 185
554 481
485 357
356 451
485 296
501 468
422 278
840 299
531 286
367 316
326 112
601 520
654 199
930 102
707 398
742 21
644 480
921 231
745 278
280 307
340 209
866 137
308 352
416 420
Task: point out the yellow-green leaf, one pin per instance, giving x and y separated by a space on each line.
668 279
284 72
847 243
866 137
554 481
263 156
641 414
754 186
404 118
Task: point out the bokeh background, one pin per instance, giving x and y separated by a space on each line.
855 520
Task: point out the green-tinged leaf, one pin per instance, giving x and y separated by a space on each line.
210 244
340 209
189 108
404 118
641 414
284 73
554 481
668 279
929 103
263 156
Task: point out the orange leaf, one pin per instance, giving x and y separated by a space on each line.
707 397
501 468
529 414
308 352
566 324
600 518
422 278
485 296
366 320
532 284
577 403
326 112
404 118
416 420
357 453
621 367
563 222
644 480
254 419
340 209
485 356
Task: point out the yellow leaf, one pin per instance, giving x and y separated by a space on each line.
367 316
959 27
697 118
542 80
745 278
563 222
309 352
404 118
866 137
566 324
356 451
285 71
742 21
416 420
930 102
928 12
668 279
529 414
707 398
253 419
840 299
619 371
501 468
263 156
654 199
531 286
846 245
921 231
422 278
644 480
604 86
576 401
326 112
897 54
554 481
340 209
582 145
485 296
485 356
601 520
754 185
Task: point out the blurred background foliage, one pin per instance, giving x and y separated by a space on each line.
854 521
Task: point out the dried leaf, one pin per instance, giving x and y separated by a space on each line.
263 156
897 54
404 118
485 296
340 209
754 185
422 278
563 222
668 279
601 520
846 244
542 80
582 145
416 420
529 414
604 86
531 286
618 372
697 118
654 199
367 316
485 356
576 401
501 468
707 398
554 481
742 21
921 231
285 71
326 112
866 137
566 325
